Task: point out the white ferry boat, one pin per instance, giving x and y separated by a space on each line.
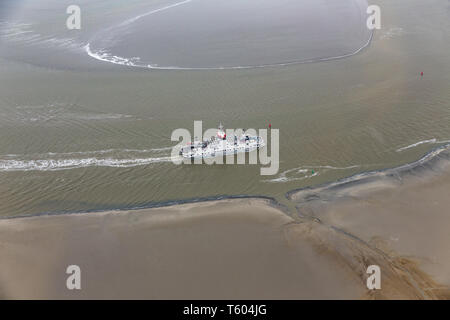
221 145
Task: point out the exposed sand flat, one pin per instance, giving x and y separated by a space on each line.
402 212
224 249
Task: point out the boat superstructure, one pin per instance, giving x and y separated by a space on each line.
221 145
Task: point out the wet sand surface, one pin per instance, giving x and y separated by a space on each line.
403 213
226 249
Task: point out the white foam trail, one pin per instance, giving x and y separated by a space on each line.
103 55
61 154
285 179
434 140
283 176
65 164
52 161
106 57
156 149
332 167
127 22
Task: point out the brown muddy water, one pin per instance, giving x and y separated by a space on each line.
78 133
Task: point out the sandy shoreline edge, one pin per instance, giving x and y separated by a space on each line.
429 162
429 158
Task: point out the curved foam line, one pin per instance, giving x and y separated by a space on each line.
104 56
304 169
433 140
367 174
126 22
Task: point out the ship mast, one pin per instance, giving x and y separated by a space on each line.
221 134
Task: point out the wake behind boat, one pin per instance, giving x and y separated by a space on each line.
221 145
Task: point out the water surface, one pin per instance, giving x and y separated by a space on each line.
78 133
